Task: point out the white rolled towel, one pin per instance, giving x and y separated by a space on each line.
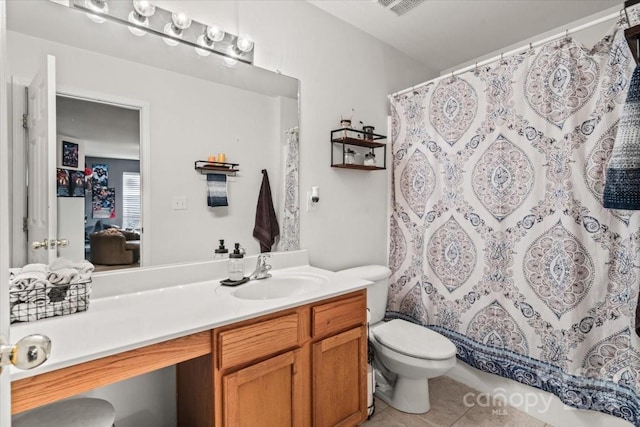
44 268
85 267
22 280
49 310
63 307
40 307
82 304
14 297
13 272
64 276
29 312
61 263
36 290
20 313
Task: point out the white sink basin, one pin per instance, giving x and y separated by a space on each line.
281 285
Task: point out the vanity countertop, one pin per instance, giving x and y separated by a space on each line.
118 323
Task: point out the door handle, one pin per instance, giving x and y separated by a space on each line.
28 353
46 243
38 245
62 243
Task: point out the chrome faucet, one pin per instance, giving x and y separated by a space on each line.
262 268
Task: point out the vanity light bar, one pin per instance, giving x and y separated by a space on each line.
230 46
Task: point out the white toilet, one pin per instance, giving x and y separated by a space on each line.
406 354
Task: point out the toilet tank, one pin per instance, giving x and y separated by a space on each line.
376 293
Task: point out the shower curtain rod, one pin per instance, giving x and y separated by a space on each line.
513 52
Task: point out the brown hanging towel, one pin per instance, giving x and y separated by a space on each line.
266 229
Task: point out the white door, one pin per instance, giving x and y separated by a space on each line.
42 203
33 350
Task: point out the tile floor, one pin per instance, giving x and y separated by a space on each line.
448 409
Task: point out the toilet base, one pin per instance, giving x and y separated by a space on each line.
410 395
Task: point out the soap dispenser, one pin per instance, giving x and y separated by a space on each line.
236 264
221 252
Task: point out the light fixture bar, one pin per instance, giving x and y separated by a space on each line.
119 12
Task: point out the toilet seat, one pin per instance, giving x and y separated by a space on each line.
414 340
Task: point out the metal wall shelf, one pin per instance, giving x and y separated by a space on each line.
216 167
359 138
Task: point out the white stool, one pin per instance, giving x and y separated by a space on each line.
81 412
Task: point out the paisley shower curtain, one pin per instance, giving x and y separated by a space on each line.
290 209
499 239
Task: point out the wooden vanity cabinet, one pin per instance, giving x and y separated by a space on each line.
268 393
339 362
258 371
300 367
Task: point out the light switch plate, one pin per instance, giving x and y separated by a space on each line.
179 203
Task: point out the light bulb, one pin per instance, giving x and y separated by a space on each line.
144 8
230 58
99 6
180 20
137 19
172 31
244 43
214 33
204 41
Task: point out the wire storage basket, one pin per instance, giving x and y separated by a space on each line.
43 299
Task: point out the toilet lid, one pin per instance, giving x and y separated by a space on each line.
414 340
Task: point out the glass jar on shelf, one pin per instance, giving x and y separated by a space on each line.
349 157
370 159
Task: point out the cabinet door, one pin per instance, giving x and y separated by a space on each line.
340 379
265 394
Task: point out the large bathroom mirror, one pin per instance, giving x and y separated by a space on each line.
134 115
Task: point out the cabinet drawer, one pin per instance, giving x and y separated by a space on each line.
252 342
339 315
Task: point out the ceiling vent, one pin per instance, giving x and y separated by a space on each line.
399 7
